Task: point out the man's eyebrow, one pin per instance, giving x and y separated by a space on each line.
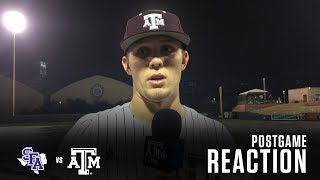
141 41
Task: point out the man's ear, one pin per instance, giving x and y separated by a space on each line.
185 60
125 65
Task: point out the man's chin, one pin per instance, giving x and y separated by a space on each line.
158 96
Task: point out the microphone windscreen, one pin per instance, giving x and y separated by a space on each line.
166 124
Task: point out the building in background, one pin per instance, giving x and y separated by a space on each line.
95 89
26 98
252 100
306 94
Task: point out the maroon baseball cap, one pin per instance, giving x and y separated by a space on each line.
153 22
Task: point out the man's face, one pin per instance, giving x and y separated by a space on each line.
155 64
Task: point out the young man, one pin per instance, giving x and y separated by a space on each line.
155 55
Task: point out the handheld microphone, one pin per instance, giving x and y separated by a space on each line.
164 150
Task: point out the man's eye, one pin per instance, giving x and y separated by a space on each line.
167 49
142 52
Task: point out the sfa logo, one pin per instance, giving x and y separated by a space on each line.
87 161
33 159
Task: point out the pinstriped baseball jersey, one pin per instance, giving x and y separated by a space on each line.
120 138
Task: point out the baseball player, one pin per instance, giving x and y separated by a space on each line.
155 56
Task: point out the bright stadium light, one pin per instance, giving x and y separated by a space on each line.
16 23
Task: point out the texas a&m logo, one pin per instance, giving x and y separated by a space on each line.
88 160
153 20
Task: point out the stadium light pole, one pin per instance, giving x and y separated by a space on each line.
16 23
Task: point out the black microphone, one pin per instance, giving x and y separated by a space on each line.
164 150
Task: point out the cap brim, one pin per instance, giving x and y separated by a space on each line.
185 39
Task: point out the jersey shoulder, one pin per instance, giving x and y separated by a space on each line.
87 127
214 128
192 114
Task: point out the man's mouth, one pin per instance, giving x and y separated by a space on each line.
157 80
157 77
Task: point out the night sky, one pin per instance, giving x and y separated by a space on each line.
233 43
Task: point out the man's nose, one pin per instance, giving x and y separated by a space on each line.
156 63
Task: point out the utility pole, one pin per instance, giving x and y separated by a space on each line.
264 88
221 105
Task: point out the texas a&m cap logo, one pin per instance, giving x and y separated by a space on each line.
153 22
